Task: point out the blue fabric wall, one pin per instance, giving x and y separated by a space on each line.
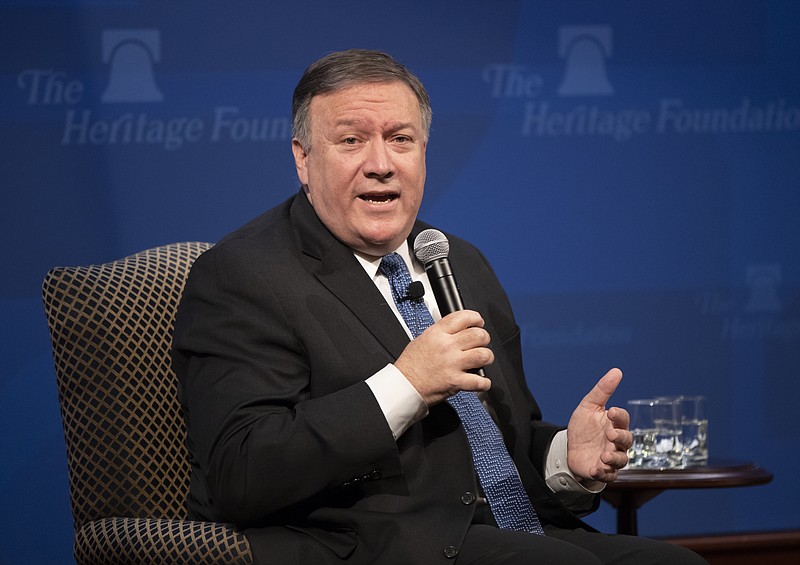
631 169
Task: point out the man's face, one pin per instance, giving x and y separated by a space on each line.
365 167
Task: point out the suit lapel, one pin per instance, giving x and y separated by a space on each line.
344 277
336 267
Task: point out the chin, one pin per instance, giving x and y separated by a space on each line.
386 237
379 246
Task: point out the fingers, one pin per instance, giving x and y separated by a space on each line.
617 457
622 439
469 337
618 434
470 383
473 342
604 388
609 464
614 460
461 320
472 337
619 417
439 361
604 473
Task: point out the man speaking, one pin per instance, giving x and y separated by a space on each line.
334 413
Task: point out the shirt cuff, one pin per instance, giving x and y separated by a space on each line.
399 401
563 483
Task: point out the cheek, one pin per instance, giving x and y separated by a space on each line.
419 181
330 201
334 175
416 167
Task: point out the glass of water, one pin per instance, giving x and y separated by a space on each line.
694 430
656 428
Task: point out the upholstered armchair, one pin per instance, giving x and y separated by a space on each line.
111 329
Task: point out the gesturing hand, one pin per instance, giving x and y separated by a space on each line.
598 439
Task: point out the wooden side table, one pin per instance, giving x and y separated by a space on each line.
634 487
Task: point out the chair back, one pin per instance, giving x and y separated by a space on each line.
111 329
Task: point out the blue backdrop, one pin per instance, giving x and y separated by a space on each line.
630 168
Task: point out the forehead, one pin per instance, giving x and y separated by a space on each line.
367 102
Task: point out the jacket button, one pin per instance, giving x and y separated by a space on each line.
450 551
467 498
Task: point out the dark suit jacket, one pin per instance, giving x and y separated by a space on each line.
278 329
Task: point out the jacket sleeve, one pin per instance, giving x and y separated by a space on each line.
260 439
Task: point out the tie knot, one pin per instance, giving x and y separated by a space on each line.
393 265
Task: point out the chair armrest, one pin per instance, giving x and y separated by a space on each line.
158 541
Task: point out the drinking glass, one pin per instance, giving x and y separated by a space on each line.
694 430
655 424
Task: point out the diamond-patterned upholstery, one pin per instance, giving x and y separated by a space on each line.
111 329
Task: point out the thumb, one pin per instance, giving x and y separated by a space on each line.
604 388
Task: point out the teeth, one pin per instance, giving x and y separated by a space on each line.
378 197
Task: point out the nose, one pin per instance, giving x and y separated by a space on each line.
378 161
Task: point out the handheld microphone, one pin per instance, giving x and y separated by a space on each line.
432 250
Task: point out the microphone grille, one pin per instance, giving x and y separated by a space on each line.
430 245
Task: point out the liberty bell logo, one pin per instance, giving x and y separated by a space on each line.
585 49
132 54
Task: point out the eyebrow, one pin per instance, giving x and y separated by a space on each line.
392 127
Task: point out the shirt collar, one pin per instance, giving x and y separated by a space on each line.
372 264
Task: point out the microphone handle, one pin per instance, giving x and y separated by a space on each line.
445 290
444 286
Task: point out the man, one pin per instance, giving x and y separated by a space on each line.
317 424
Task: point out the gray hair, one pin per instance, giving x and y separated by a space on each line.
343 69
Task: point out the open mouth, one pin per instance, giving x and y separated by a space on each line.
379 197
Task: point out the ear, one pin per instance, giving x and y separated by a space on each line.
300 161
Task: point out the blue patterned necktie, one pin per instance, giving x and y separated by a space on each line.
497 474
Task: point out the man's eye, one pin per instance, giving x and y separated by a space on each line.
350 140
402 139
